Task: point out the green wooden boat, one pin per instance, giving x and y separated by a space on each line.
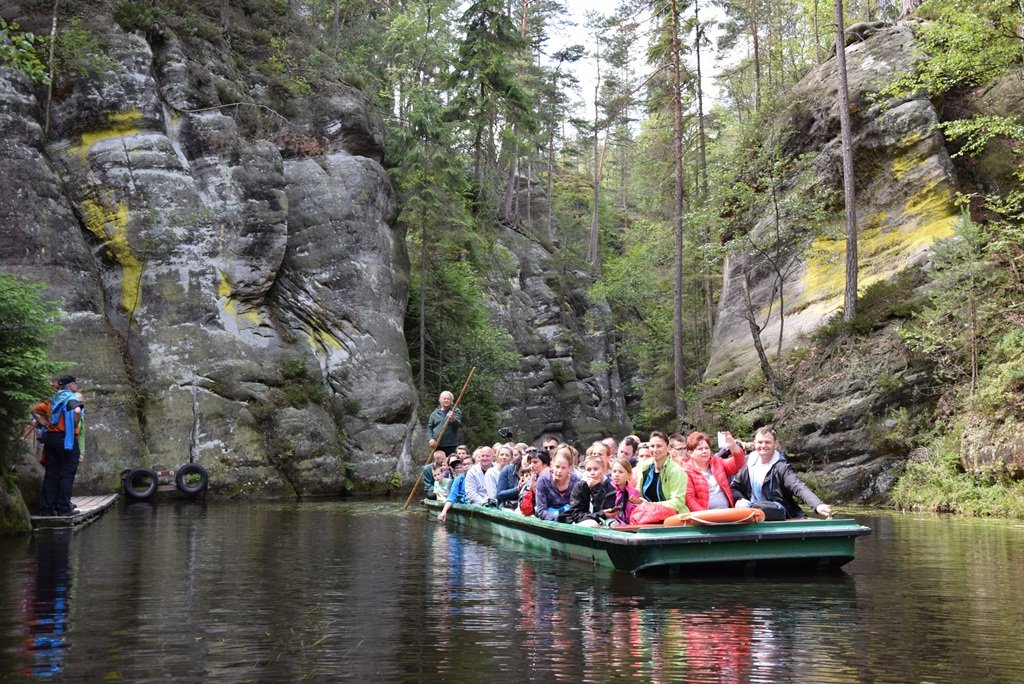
793 545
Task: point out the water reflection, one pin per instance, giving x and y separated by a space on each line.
572 622
47 618
338 591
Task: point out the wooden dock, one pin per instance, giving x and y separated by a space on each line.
89 508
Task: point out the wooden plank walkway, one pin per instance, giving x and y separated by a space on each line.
89 508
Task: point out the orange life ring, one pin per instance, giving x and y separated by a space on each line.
717 516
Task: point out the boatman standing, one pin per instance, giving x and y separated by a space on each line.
449 441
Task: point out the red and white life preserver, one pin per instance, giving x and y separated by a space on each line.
717 516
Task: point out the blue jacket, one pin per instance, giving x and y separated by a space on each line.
457 495
508 486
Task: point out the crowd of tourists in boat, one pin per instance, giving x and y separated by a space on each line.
617 482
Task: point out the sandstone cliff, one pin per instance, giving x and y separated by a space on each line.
227 300
233 278
841 414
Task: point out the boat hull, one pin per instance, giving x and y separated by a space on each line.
808 545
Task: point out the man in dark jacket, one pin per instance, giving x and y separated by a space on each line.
449 441
768 478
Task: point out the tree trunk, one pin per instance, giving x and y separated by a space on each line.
592 244
336 29
779 277
529 193
817 35
624 167
774 384
702 137
510 181
757 57
511 196
423 308
550 186
702 142
677 220
909 6
973 332
478 138
53 46
769 50
849 195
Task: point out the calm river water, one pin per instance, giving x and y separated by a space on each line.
359 590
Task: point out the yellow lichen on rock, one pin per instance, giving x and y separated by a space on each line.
885 246
119 125
910 159
111 227
934 212
321 339
224 294
824 275
231 305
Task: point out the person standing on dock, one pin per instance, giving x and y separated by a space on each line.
449 441
63 418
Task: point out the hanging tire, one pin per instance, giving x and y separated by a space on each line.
140 483
191 478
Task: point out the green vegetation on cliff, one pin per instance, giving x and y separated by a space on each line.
935 480
27 324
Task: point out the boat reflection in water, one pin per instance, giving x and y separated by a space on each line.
569 619
47 605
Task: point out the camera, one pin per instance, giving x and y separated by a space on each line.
505 433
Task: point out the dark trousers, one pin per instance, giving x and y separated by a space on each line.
61 467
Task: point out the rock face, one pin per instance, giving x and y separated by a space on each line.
234 284
227 300
995 443
567 382
848 419
905 191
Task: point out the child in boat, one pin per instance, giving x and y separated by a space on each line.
442 483
457 495
593 497
540 462
625 495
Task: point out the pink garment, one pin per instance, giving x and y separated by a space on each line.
622 497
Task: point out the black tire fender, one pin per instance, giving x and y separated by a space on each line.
140 483
187 470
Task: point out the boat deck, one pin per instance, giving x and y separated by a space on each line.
89 508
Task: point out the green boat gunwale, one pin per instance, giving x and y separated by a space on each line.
821 543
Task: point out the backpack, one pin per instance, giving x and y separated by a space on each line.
526 503
60 409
